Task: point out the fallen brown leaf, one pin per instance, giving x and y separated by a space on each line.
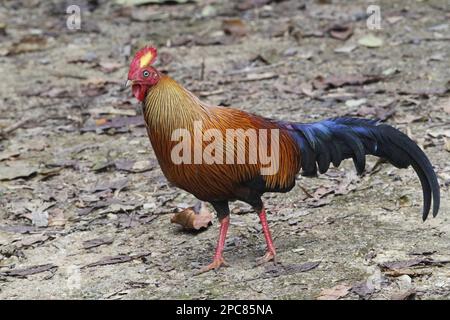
395 265
33 239
258 76
339 291
109 66
321 82
408 272
56 217
425 92
121 258
307 89
120 124
193 218
381 112
57 93
362 289
277 270
101 121
234 27
112 185
28 271
316 203
28 43
88 244
22 229
86 209
8 155
341 32
17 169
110 110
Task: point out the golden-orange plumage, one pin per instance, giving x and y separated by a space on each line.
169 106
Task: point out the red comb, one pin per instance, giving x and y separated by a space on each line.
144 57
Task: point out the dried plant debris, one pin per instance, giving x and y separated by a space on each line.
23 273
26 44
363 289
276 270
32 240
234 27
93 243
425 261
22 229
341 31
122 258
113 185
339 291
193 218
134 166
321 82
16 170
120 124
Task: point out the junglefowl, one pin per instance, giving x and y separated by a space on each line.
310 147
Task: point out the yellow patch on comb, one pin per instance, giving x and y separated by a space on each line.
145 59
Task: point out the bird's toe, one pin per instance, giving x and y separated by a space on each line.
215 265
269 256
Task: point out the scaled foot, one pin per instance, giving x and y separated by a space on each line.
215 265
269 256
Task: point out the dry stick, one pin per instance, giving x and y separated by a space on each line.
14 127
202 70
309 195
249 70
68 75
210 93
256 77
427 39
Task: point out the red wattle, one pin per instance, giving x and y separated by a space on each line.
139 91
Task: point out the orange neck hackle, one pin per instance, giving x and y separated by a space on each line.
169 106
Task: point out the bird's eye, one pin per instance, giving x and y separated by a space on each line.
146 73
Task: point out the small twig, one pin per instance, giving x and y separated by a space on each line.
254 69
202 70
438 125
13 127
426 39
68 75
306 191
210 93
251 77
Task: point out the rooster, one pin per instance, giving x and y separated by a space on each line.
305 147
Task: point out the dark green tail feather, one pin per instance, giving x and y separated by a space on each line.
333 140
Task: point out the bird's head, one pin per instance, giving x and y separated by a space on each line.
141 75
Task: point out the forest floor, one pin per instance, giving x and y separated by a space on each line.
85 210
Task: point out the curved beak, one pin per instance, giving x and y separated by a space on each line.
128 83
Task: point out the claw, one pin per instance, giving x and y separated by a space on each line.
215 265
269 256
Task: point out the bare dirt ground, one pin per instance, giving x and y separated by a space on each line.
85 209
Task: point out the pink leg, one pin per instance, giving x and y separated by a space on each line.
218 260
270 254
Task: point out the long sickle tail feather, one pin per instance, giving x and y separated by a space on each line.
333 140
